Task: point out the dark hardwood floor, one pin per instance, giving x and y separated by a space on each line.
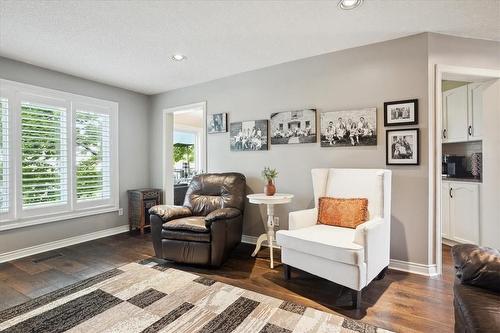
401 302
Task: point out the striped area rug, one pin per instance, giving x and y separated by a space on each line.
149 297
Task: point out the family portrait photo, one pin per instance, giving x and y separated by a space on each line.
249 135
293 127
401 113
402 147
217 123
349 128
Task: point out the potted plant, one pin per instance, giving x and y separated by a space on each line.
269 175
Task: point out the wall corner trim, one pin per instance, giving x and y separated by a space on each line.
412 267
398 265
28 251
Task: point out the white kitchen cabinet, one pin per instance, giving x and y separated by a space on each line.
460 211
462 113
475 110
445 210
455 112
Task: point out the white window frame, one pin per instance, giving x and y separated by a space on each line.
18 217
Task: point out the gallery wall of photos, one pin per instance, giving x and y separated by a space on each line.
343 128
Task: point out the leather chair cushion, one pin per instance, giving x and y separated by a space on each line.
477 266
478 309
191 224
189 236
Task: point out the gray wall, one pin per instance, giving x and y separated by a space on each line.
133 151
467 52
361 77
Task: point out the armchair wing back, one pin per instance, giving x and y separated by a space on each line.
373 184
208 192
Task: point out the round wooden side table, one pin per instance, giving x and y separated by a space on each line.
269 201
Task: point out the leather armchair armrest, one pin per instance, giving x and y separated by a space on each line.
167 212
221 214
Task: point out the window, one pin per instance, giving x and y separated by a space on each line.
44 161
93 156
4 157
58 155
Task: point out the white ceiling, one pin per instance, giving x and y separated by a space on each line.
129 43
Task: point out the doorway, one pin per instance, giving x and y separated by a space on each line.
184 149
467 105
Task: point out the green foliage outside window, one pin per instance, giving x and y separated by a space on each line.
92 151
183 152
42 154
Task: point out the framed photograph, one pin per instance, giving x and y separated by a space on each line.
402 147
401 113
217 123
249 135
349 128
293 127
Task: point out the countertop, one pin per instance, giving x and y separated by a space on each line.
465 179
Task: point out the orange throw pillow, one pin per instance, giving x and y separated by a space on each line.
346 213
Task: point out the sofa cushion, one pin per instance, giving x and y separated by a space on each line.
333 243
191 223
477 266
478 309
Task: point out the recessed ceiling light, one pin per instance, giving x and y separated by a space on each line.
179 57
349 4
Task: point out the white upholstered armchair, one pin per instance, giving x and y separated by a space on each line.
349 257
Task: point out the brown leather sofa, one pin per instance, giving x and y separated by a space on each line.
207 227
477 289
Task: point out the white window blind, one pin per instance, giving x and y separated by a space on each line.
43 155
4 156
93 156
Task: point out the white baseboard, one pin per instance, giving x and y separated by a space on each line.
412 267
28 251
399 265
450 242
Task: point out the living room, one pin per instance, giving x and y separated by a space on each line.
323 125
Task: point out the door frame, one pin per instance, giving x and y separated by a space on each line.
458 73
168 186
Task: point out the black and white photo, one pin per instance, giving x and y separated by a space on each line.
249 135
349 128
399 113
402 147
217 123
293 127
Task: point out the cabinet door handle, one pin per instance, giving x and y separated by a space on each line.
444 133
470 130
451 192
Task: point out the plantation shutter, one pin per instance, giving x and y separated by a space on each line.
4 157
93 156
43 155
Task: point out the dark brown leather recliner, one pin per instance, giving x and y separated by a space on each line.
207 227
477 289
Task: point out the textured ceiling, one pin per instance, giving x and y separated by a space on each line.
129 43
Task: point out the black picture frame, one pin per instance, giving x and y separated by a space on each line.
389 159
387 109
